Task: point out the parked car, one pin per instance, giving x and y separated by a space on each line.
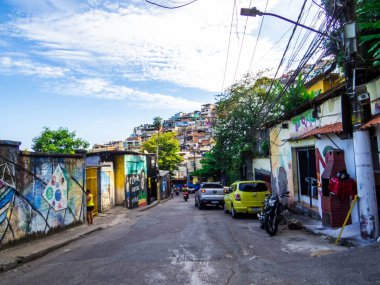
245 197
209 193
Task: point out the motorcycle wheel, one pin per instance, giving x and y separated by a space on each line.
270 224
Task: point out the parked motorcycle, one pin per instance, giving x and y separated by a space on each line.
271 215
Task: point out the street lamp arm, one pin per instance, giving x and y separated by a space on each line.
254 12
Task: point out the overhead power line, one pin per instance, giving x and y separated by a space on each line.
228 47
171 7
258 37
242 41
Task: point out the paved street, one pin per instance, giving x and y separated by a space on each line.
175 243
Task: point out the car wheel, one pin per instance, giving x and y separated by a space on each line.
225 209
233 212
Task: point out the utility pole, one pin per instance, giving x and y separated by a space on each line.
368 210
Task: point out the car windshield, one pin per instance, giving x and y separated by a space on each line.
253 187
212 186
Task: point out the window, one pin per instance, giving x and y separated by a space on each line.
253 187
212 186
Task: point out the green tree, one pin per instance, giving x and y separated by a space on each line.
58 141
368 19
157 123
168 157
210 167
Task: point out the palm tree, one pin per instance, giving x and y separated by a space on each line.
157 123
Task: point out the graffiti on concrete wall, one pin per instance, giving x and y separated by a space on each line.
135 181
44 193
303 123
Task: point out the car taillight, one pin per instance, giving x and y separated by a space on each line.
237 197
203 191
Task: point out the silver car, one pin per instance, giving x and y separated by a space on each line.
209 193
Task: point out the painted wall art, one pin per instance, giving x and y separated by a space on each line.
135 181
39 194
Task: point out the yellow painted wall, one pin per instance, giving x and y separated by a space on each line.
119 180
325 84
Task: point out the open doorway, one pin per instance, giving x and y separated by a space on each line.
307 176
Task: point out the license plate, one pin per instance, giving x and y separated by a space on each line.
255 209
214 202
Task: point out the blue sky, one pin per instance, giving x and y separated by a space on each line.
101 68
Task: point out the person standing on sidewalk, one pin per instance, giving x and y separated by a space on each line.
90 206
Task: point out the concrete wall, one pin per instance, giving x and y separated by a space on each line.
38 192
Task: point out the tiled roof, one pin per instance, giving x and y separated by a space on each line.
373 122
327 129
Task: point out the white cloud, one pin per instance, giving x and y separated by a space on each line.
141 42
100 88
27 67
186 46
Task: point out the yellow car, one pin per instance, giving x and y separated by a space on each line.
245 197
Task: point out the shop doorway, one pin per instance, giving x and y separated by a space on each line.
93 185
307 176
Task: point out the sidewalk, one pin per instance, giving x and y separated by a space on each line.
24 252
350 237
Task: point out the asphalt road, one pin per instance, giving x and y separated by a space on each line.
175 243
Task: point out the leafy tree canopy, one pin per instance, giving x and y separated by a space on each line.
58 141
168 149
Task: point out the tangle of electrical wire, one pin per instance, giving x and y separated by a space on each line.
312 48
266 98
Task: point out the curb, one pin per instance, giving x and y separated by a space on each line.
343 241
155 203
20 260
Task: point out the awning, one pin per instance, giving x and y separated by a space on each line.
373 122
327 129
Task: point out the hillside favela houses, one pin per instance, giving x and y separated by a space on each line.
194 131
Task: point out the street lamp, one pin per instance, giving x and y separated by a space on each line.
253 12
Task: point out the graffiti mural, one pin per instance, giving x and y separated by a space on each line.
55 192
135 181
38 194
303 123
